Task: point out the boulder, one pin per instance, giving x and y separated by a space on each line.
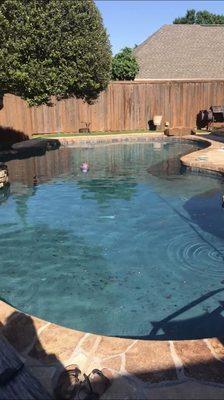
30 144
4 177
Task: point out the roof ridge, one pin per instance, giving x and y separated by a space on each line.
149 37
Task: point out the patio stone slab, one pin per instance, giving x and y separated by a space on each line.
217 346
199 362
113 363
21 330
151 361
55 344
88 343
108 347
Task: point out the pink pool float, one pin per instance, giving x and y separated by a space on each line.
84 167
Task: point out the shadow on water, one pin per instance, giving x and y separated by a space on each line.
208 324
205 210
167 168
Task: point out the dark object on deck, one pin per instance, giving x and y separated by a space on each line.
15 380
168 132
151 125
218 113
204 119
84 130
211 117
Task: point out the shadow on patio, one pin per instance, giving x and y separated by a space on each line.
186 370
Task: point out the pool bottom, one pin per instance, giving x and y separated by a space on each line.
133 248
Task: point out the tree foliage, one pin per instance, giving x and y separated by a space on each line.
53 47
124 65
200 17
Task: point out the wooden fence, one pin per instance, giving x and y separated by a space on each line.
123 106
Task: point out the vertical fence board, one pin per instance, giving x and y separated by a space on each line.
123 106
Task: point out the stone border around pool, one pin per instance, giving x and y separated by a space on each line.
138 369
92 139
210 158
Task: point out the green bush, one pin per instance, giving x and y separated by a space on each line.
124 65
53 47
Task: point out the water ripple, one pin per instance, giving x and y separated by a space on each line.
198 256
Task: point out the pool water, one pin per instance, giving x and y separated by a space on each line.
133 248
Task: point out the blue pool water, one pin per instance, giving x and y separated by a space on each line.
133 248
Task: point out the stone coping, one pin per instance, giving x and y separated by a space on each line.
91 139
138 369
210 158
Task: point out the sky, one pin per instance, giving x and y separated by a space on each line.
130 22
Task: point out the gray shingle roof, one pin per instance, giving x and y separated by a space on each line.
182 52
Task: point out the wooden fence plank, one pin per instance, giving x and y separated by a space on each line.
123 106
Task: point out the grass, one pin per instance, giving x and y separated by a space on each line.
201 132
61 135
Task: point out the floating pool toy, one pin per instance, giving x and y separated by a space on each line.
84 167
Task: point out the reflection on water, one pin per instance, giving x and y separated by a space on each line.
4 193
123 250
53 164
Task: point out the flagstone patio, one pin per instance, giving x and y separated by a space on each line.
138 369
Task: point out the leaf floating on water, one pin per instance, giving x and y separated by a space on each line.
107 217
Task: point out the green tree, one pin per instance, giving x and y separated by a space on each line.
124 65
200 17
53 47
205 17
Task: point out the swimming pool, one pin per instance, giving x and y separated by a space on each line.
133 248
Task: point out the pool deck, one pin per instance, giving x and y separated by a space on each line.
210 158
138 369
192 369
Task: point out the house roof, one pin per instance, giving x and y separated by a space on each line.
182 52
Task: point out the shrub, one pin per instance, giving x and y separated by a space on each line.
124 65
